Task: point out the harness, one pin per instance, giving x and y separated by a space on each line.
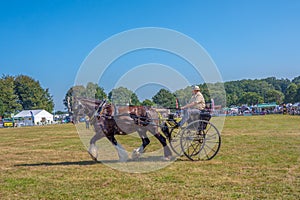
98 111
139 115
140 120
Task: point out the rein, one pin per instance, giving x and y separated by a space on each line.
98 111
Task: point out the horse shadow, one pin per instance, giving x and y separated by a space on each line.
92 162
80 163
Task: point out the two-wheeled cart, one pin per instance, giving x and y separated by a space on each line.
198 139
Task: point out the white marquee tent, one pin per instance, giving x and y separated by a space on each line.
33 117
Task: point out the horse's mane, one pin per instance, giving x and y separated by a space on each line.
85 106
89 101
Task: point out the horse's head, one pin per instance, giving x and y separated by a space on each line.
85 107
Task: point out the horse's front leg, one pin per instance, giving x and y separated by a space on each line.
93 150
139 151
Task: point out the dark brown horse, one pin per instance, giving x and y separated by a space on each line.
109 120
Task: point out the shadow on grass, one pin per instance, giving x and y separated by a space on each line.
87 162
91 162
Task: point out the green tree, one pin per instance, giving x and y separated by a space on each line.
216 92
147 102
75 91
9 101
296 80
278 84
236 89
250 98
47 101
165 99
183 95
94 91
91 91
205 89
134 100
231 99
1 107
59 112
233 92
297 96
274 96
121 96
291 93
31 95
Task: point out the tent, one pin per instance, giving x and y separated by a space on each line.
266 105
296 104
33 117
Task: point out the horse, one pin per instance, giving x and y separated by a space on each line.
109 120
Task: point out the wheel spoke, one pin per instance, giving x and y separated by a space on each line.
194 147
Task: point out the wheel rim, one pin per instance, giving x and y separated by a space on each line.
198 144
174 141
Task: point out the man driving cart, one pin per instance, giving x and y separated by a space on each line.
195 105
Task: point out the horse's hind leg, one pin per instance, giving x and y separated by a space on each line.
139 151
123 157
163 141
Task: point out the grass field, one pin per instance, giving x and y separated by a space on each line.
259 159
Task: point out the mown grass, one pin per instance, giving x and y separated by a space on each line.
259 159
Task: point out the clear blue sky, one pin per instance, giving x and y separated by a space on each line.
49 39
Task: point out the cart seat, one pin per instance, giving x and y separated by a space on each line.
204 115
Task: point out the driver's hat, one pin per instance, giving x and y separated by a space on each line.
196 87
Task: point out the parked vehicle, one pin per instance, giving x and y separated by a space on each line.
8 122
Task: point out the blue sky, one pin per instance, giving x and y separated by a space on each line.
48 40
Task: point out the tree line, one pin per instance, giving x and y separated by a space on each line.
239 92
22 93
263 91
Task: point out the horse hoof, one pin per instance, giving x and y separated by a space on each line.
167 158
135 154
93 151
94 158
124 159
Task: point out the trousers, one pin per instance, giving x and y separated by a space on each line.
187 113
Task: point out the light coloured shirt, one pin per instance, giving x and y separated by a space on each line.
199 99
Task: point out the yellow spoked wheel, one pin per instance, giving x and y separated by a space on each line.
174 141
200 140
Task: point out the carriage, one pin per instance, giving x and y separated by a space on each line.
198 139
